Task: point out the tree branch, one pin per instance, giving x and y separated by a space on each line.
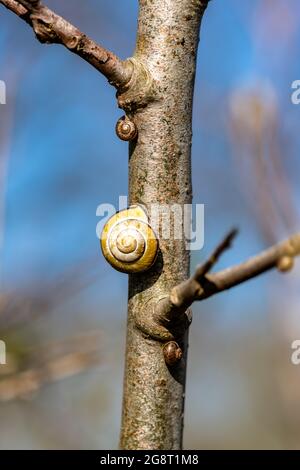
214 257
51 28
279 256
203 285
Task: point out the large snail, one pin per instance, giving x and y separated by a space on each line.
128 242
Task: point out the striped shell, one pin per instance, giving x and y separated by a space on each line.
128 242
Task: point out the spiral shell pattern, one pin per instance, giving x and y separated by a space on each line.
126 129
172 353
128 242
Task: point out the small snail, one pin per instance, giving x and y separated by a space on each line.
128 242
172 353
126 129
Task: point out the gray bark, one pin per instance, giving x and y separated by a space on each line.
160 172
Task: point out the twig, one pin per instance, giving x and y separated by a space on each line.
279 256
213 259
203 285
51 28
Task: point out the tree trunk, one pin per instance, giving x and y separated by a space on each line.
160 173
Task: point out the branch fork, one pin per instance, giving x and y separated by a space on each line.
202 285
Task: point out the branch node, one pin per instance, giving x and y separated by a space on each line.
285 264
140 90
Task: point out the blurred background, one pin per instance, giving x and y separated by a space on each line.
63 308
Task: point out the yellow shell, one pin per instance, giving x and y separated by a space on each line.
128 242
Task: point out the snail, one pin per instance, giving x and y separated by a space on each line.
126 129
128 242
172 353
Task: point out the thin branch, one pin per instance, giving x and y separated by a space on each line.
279 256
203 285
51 28
213 259
18 9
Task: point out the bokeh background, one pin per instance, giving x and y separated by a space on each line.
63 309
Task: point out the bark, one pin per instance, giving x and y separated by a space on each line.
160 172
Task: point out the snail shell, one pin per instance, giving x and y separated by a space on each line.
172 353
126 129
128 242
